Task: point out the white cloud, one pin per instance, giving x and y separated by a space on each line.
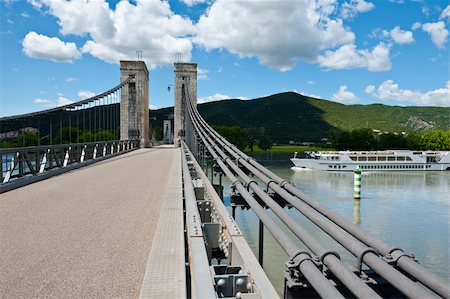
241 98
389 90
25 15
216 97
51 48
193 2
63 101
41 101
401 36
348 57
311 82
85 94
416 26
35 3
354 7
311 95
437 32
202 74
9 21
278 33
369 89
71 79
115 34
379 33
445 13
153 107
343 95
425 11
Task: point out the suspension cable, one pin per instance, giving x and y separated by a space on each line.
396 278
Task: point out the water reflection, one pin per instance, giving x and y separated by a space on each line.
410 210
357 211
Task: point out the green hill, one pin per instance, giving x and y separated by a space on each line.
291 116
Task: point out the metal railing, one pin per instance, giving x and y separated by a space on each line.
29 164
391 271
213 235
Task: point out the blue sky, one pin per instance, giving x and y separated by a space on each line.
394 52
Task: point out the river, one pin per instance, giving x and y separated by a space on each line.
410 210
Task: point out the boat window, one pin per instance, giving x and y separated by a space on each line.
383 158
344 166
401 158
391 158
360 158
353 158
408 159
372 158
431 159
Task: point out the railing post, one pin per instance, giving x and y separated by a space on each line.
261 243
83 153
44 161
66 157
11 168
21 169
1 167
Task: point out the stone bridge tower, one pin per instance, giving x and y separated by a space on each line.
185 77
134 114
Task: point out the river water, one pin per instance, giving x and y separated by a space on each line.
410 210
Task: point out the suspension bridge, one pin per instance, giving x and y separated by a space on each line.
91 207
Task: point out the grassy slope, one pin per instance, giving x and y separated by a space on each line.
378 116
290 116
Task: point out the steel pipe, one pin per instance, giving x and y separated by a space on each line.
307 266
403 261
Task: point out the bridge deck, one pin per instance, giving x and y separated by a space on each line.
87 233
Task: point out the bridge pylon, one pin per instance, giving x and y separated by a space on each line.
185 77
134 114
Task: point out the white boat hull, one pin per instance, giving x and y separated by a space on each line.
367 166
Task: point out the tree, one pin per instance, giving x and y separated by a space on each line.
158 132
235 135
392 141
264 140
435 140
252 138
363 139
26 139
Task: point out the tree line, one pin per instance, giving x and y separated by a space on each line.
61 136
365 139
246 137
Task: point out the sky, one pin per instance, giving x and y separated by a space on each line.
394 52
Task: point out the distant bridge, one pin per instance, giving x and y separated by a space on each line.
149 221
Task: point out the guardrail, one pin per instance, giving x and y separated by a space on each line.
25 165
221 263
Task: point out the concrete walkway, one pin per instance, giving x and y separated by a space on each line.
86 233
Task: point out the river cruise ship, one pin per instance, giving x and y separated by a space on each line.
395 160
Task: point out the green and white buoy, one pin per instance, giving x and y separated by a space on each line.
357 183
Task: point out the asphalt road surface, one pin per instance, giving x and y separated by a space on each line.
86 233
